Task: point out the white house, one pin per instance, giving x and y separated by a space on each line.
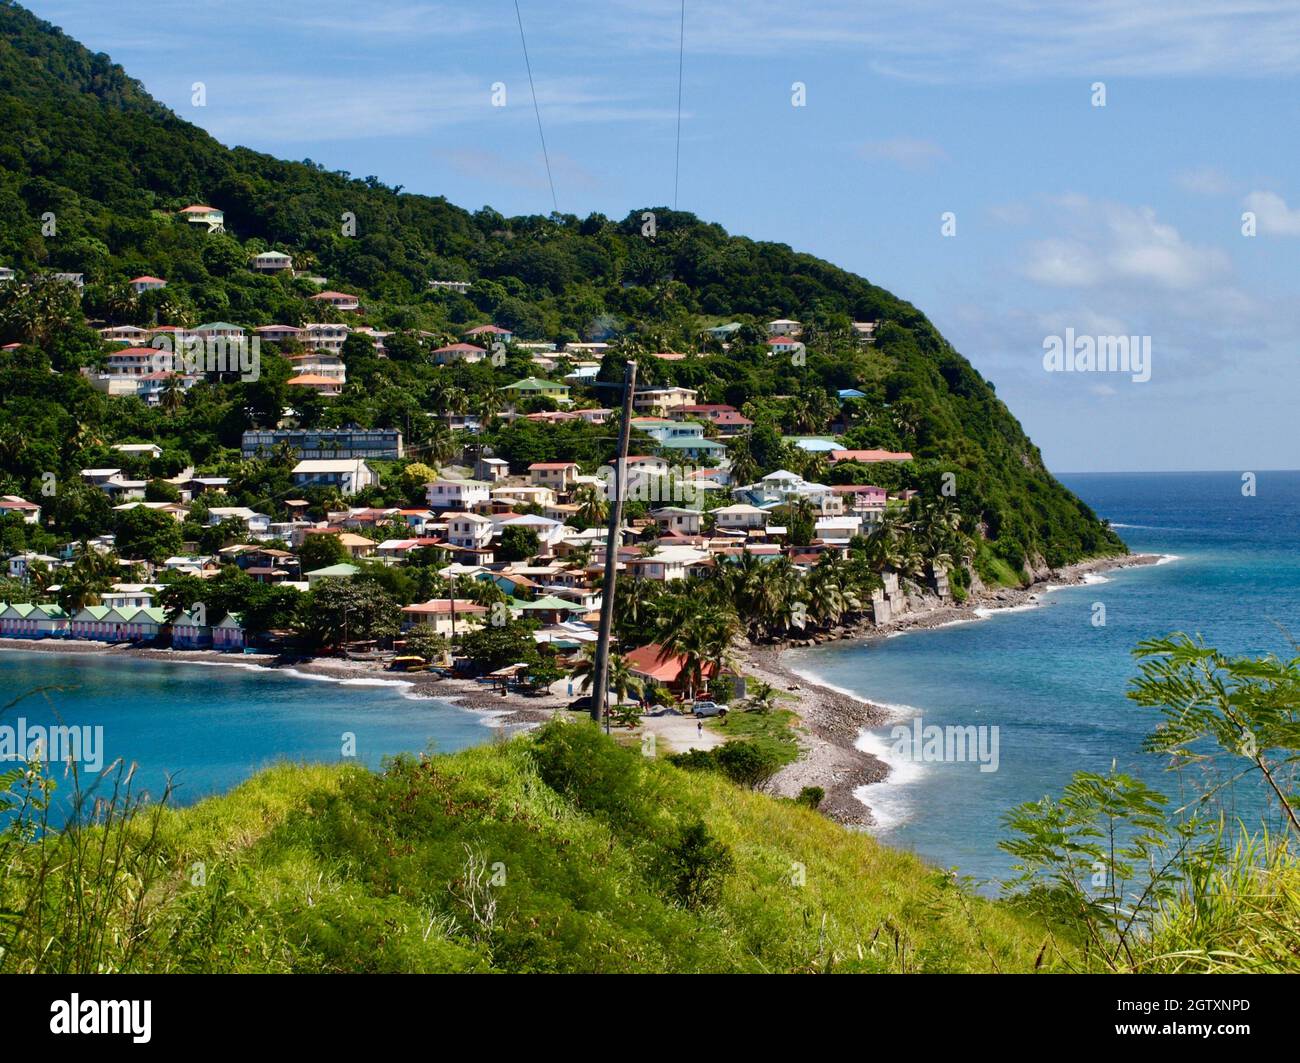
469 531
272 261
446 616
140 285
349 475
666 563
258 524
29 511
338 300
740 517
449 493
784 326
679 520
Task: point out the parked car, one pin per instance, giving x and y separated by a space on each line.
706 708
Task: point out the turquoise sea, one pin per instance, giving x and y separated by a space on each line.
1053 682
209 727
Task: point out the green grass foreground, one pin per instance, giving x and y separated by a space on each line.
559 851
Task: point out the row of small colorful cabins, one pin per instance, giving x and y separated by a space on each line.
119 623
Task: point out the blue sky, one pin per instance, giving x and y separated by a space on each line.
1117 220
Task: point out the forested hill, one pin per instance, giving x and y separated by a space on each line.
81 140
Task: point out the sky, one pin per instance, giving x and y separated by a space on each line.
957 154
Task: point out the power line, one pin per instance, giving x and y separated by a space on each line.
537 110
681 55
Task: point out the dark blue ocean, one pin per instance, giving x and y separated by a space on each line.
1053 682
210 727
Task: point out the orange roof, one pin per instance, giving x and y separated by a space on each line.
870 455
650 661
311 378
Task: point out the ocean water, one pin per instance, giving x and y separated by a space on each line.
1053 682
210 727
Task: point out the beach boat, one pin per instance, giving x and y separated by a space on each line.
409 664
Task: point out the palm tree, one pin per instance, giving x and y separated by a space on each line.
173 395
763 698
593 508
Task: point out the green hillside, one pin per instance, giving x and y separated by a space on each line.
82 141
563 852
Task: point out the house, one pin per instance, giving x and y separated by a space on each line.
33 621
507 496
451 286
865 331
190 631
492 470
458 352
131 624
653 663
140 285
229 634
470 531
548 531
91 622
449 493
557 475
77 280
531 387
381 444
29 511
219 330
199 214
324 336
19 563
722 333
491 333
666 563
784 326
272 262
783 345
663 400
348 475
326 387
868 457
338 300
339 571
448 617
6 274
139 450
257 524
277 333
695 447
679 520
740 517
129 334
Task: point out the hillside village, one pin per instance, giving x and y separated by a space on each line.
380 547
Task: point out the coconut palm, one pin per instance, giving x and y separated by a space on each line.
593 508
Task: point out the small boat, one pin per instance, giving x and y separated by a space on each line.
409 664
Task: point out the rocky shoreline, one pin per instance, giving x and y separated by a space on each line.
832 720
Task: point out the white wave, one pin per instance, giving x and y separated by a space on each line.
984 612
1095 577
890 800
1164 559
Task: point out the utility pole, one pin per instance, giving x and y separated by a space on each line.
612 543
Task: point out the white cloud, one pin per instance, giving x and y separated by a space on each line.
938 41
1273 216
909 152
1205 181
1116 244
